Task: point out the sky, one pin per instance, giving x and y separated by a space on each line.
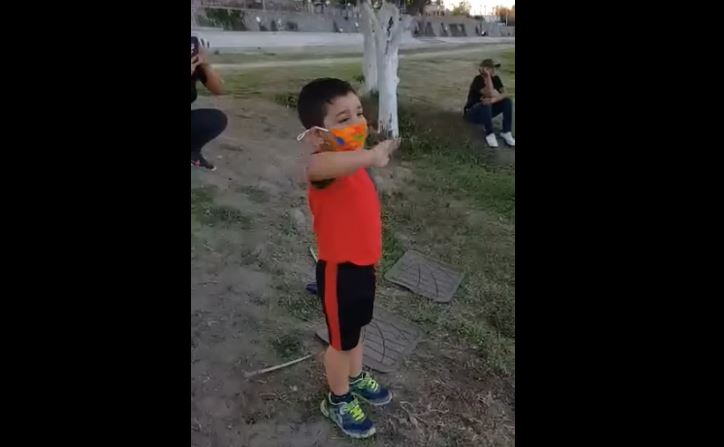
481 7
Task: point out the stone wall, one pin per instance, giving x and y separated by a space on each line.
458 26
276 20
498 30
446 26
341 21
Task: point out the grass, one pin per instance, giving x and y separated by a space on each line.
444 196
270 56
393 248
454 168
288 346
206 212
288 99
254 194
460 209
218 56
269 82
458 206
298 302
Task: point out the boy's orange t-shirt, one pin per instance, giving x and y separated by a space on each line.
347 221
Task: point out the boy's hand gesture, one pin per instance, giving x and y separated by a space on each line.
382 151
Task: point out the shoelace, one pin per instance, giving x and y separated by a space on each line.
368 382
354 410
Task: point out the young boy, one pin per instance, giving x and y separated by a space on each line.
347 225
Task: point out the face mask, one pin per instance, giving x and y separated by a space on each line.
342 139
350 138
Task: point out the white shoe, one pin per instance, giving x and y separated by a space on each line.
508 138
491 140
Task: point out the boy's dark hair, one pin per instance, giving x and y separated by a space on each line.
314 97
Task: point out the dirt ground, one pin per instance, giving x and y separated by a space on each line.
250 238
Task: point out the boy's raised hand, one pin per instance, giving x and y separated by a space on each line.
382 152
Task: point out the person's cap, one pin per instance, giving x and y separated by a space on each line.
489 63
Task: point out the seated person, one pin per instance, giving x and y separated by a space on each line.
486 99
206 124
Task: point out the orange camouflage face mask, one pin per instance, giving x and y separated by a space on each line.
342 139
350 138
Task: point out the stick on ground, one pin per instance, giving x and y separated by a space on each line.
274 368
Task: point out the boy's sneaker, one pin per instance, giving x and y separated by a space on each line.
198 160
508 138
349 417
367 389
491 140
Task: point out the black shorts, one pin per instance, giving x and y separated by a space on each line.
348 295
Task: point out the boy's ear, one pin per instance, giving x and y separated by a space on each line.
322 141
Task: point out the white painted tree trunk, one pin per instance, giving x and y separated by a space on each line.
382 35
388 40
369 59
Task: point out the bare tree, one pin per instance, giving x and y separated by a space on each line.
382 30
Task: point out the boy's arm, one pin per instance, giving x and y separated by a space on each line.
327 165
330 165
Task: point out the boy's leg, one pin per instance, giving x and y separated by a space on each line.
355 360
359 289
362 384
340 405
336 366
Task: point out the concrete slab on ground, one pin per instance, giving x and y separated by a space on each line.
388 340
425 276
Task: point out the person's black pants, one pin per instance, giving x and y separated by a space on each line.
483 114
206 124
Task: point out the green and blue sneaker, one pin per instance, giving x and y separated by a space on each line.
349 417
367 389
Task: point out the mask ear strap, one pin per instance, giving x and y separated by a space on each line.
301 136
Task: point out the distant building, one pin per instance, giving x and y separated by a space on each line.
434 10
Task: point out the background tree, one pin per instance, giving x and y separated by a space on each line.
462 9
416 6
505 15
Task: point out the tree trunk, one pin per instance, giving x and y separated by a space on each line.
368 27
382 35
388 37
